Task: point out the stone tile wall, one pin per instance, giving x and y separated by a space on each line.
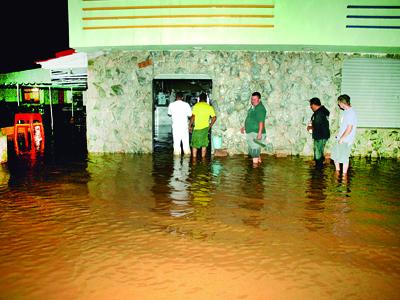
119 105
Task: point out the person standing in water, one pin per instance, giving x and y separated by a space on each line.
180 111
320 129
201 114
254 126
347 133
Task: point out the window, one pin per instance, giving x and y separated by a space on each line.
31 95
373 85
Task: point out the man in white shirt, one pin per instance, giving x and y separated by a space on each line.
347 133
180 111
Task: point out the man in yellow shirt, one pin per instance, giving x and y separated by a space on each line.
201 114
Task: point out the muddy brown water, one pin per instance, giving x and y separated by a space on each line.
124 226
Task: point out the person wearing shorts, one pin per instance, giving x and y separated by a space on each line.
255 127
201 114
347 132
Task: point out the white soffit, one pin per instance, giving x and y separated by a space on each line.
75 60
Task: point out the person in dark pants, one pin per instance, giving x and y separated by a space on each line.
319 126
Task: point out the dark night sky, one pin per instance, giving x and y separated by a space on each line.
32 31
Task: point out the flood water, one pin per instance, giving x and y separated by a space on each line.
157 227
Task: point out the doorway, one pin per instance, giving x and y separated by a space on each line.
164 92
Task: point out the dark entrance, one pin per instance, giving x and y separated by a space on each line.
164 92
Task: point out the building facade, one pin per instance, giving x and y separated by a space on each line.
289 51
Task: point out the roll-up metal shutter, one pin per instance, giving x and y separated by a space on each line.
374 88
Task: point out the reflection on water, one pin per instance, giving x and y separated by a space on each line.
315 199
178 184
124 226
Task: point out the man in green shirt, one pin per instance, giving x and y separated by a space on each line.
201 114
254 127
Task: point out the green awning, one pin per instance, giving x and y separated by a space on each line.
37 77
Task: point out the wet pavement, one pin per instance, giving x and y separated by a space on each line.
122 226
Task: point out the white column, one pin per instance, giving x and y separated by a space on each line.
72 102
18 94
51 110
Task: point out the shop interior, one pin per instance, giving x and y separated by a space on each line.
164 92
64 121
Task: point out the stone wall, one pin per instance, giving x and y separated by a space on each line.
377 143
119 106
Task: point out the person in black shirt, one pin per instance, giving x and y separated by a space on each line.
320 129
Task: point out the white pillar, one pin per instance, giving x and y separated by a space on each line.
18 94
51 110
72 102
